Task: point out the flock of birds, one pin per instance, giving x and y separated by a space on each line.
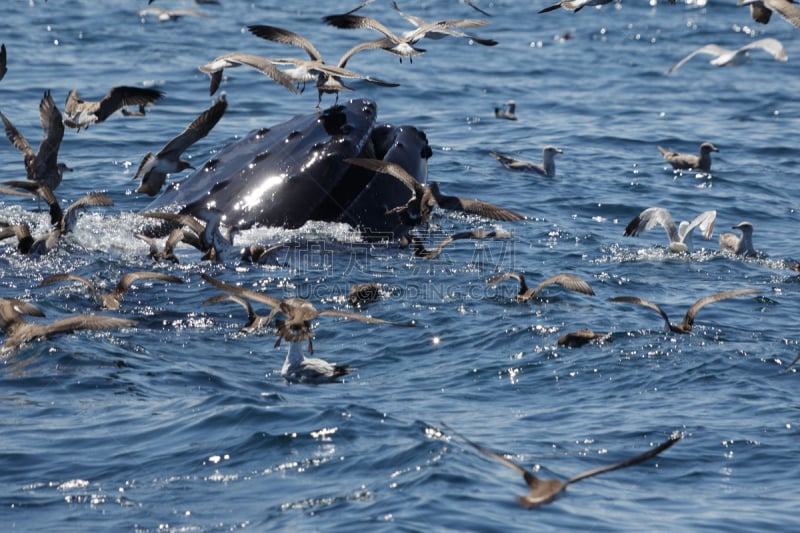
292 317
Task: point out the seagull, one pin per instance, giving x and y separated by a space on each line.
19 331
264 65
111 300
364 293
729 242
327 76
545 490
574 5
82 113
419 207
164 15
689 161
546 168
3 68
567 281
42 167
731 58
299 368
255 322
688 320
508 111
298 312
402 46
421 251
680 238
761 10
154 168
581 337
436 35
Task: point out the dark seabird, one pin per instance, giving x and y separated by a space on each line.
729 242
567 281
574 5
546 168
421 251
64 220
42 167
255 322
168 252
3 68
327 76
111 300
508 111
545 490
19 331
690 161
82 113
298 312
581 337
26 244
402 46
364 293
154 168
204 235
299 368
418 209
688 320
680 237
731 58
761 10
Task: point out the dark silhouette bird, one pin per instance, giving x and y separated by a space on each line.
63 220
546 168
42 167
581 337
167 253
688 320
421 251
730 242
111 300
364 293
154 168
26 244
84 113
690 161
255 322
3 68
266 66
508 111
567 281
545 490
574 5
761 10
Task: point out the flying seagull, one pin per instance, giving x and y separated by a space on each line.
574 5
545 490
567 281
731 58
83 113
111 300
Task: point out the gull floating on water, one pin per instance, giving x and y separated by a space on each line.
574 5
546 168
727 58
154 168
545 490
111 300
20 331
688 320
680 237
83 113
42 167
681 161
730 242
761 10
508 111
299 368
567 281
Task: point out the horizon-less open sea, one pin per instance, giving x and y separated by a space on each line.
181 424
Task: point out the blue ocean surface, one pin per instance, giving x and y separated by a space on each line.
180 423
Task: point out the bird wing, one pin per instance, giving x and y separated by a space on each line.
128 279
53 127
628 462
389 168
509 463
351 22
641 301
362 318
262 64
3 68
650 218
123 96
476 207
705 221
509 275
271 301
184 219
709 49
688 320
786 9
280 35
81 322
198 129
771 46
55 278
567 281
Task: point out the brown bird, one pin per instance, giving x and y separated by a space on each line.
421 251
205 236
154 168
364 293
255 321
298 312
3 68
730 242
26 244
567 281
545 490
419 207
688 320
83 113
111 300
64 220
19 331
581 337
546 168
42 167
761 10
690 161
266 66
168 252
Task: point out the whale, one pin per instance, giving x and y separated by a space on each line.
294 172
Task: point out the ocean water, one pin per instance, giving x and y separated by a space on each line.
181 424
